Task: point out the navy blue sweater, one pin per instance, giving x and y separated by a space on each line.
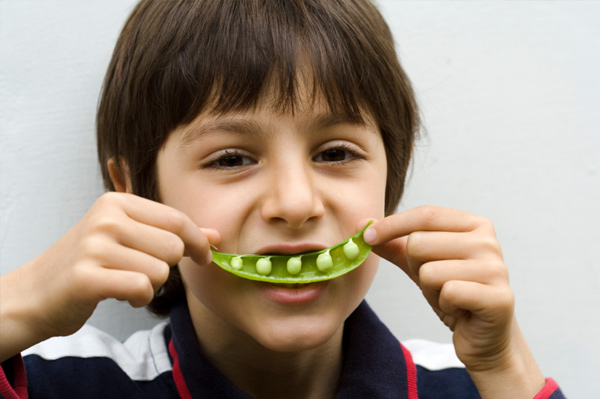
166 362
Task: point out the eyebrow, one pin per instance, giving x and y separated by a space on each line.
324 121
248 127
238 126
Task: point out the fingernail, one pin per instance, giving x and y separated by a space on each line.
370 235
209 258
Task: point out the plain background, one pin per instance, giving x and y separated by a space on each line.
510 100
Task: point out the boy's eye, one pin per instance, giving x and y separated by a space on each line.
337 155
230 160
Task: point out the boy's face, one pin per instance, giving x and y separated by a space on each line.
275 183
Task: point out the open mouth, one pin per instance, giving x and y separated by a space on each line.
291 253
297 269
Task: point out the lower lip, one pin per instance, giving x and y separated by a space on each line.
301 294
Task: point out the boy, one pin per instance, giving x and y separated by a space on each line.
277 127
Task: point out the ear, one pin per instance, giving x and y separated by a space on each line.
119 175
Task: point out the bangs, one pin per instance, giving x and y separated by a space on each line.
282 50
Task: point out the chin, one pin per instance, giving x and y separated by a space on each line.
298 334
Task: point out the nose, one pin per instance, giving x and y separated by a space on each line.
292 197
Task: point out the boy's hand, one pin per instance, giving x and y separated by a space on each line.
456 260
122 248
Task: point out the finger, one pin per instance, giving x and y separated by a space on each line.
433 275
123 258
412 251
425 246
425 218
214 237
198 247
196 243
394 251
123 285
150 212
435 245
487 302
161 216
160 244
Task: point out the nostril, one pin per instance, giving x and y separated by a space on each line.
294 208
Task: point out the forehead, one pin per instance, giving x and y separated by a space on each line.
252 123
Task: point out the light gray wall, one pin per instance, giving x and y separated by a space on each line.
509 94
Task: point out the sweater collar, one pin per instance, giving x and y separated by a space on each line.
375 364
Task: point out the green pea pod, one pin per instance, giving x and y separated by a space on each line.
333 262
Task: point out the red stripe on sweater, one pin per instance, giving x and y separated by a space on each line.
411 373
19 388
548 389
182 387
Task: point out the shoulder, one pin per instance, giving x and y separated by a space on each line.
91 361
440 374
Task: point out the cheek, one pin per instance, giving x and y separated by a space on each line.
210 280
350 289
211 288
363 277
206 205
365 199
198 278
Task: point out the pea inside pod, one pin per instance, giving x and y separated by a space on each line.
306 268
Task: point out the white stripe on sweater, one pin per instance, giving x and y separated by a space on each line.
143 356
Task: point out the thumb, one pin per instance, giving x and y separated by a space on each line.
199 249
214 237
395 252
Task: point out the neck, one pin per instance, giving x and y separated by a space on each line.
265 373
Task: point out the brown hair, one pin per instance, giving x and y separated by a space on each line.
176 59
